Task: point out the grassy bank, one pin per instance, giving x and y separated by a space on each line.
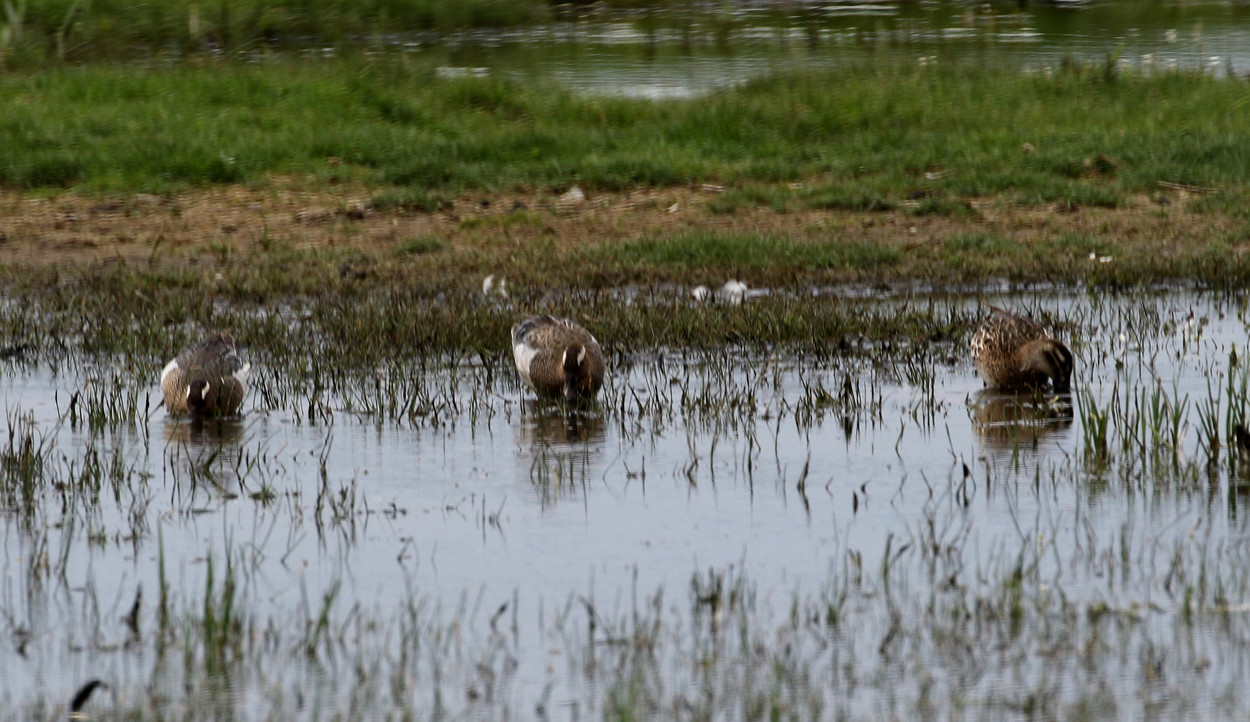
249 182
883 136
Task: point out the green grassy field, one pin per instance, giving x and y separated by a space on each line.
885 134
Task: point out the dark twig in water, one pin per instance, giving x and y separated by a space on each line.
84 693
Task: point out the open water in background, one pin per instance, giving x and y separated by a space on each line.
684 52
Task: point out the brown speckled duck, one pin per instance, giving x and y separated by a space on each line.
557 358
206 380
1013 351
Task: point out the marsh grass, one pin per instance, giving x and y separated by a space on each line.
23 462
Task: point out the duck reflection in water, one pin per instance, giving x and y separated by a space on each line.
567 429
562 447
204 433
1006 421
206 454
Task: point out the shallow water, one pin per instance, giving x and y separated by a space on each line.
775 467
682 53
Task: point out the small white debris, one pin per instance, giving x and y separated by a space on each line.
573 195
700 293
673 208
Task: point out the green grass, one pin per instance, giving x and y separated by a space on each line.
885 134
420 245
846 199
983 256
406 200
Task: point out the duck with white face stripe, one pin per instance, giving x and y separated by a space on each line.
206 380
557 358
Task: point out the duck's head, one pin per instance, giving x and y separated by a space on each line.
577 378
1052 360
201 398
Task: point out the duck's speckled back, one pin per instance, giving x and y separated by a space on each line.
1012 351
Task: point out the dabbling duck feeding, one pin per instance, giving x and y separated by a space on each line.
206 380
557 358
1012 351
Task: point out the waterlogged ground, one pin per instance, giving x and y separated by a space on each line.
728 534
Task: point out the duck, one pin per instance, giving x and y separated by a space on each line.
1012 351
207 379
557 358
